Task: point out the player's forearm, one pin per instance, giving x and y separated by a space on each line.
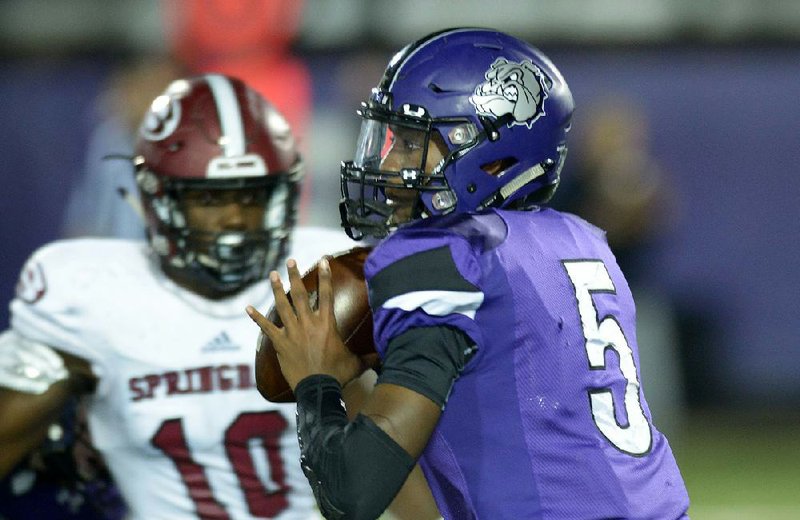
355 468
36 381
25 419
16 449
414 500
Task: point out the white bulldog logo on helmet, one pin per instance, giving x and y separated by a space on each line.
512 88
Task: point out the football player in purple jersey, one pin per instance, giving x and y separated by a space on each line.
506 329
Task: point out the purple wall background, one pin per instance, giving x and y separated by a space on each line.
724 122
45 109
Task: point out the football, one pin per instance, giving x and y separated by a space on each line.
353 320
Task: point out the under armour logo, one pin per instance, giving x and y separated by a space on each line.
413 110
410 176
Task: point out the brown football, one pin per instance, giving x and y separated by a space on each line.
353 320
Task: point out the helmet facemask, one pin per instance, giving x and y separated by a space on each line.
219 262
397 175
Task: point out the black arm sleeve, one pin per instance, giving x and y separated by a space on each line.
355 469
427 360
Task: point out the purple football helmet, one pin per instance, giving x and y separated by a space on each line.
497 105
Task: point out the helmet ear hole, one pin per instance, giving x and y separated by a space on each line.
499 167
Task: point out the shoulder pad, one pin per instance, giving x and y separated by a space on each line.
484 231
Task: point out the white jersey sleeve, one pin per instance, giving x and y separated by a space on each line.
65 289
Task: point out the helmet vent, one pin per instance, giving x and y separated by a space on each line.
499 167
436 88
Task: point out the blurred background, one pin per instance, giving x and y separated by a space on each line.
684 148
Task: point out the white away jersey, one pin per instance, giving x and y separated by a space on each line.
176 412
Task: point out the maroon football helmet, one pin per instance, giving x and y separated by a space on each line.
213 132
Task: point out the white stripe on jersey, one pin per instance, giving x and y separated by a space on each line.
438 303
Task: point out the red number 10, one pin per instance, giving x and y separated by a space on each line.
266 426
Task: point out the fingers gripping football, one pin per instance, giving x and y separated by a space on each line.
319 335
309 343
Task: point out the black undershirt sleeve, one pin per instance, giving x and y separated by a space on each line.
427 360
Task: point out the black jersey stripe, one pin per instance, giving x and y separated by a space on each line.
431 270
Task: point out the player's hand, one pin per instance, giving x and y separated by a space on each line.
308 343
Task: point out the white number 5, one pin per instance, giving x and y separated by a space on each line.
588 277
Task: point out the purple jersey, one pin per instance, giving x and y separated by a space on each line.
547 419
